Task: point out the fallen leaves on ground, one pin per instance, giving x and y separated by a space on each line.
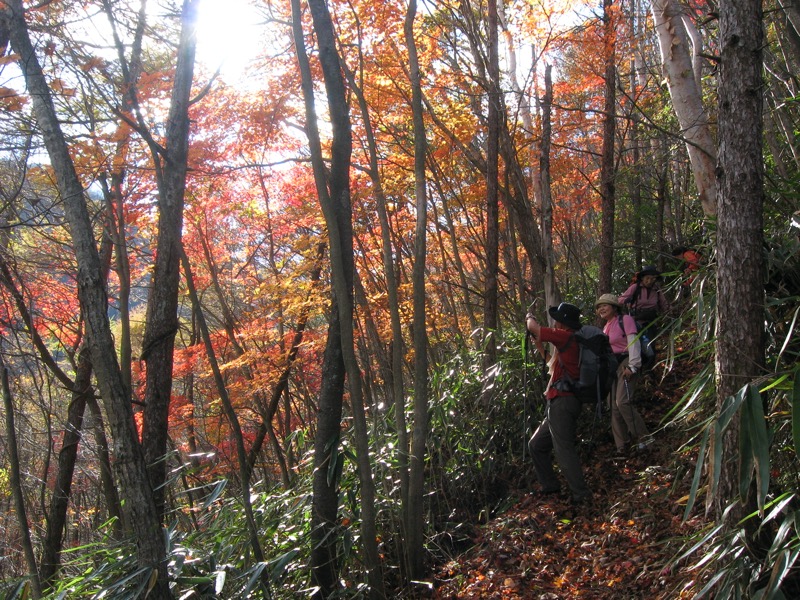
622 547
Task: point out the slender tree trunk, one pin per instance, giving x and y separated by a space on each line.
15 482
115 225
642 169
102 450
230 413
327 460
636 168
398 399
57 515
334 196
162 306
140 515
492 205
687 99
552 294
114 189
419 439
607 165
335 200
740 222
662 191
327 466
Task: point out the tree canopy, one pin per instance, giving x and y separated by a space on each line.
264 337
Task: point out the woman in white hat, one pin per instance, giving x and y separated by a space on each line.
627 425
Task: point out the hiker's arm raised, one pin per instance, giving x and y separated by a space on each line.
627 296
533 326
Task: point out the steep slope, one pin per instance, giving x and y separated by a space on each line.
623 546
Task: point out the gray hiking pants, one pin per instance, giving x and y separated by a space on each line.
557 432
627 424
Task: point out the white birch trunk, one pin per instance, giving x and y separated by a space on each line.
687 100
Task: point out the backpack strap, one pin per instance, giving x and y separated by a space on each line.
631 301
566 378
566 345
621 320
635 295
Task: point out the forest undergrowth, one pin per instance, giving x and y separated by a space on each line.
624 546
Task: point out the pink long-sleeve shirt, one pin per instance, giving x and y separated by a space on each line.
651 297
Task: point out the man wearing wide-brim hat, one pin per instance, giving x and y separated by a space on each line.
557 432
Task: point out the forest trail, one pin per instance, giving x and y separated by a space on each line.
622 547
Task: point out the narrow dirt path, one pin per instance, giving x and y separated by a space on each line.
620 548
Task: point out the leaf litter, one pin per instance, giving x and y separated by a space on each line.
621 547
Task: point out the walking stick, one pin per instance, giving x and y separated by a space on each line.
630 409
526 392
525 380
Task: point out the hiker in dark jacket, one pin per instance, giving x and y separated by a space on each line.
627 425
645 300
557 431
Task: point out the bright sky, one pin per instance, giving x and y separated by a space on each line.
229 33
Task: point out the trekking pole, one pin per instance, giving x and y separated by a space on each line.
526 392
630 407
525 381
598 415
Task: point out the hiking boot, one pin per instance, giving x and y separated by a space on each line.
536 497
620 454
577 507
582 502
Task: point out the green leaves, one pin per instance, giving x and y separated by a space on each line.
796 412
754 440
753 446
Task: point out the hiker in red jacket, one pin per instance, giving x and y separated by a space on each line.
645 300
689 265
557 431
627 425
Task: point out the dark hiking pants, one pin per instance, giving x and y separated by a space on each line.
558 433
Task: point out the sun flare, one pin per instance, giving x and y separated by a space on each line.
228 36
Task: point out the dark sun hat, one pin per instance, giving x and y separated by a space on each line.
566 313
648 270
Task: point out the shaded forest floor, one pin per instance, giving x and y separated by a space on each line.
622 547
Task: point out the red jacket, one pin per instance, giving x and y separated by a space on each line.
568 355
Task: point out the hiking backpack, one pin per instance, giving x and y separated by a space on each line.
597 363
